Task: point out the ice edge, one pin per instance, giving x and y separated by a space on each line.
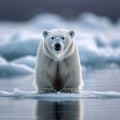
85 94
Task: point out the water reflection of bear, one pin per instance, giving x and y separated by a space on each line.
65 110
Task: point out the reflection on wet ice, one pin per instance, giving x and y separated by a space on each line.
59 110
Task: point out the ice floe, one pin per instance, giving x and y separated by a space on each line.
19 94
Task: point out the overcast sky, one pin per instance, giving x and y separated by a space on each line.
20 10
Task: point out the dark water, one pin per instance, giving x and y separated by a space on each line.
82 109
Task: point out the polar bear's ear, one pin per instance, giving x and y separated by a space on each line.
45 33
72 33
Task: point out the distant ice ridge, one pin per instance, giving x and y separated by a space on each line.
19 94
27 60
2 60
16 48
10 69
97 37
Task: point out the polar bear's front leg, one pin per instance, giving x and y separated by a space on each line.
73 84
42 83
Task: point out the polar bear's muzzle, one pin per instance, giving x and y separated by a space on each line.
57 47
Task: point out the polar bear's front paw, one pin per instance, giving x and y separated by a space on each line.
46 90
69 90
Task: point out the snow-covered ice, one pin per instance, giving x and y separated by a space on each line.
17 93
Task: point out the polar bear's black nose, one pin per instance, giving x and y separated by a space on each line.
57 46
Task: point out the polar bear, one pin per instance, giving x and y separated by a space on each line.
58 63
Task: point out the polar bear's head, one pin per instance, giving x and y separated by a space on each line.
59 43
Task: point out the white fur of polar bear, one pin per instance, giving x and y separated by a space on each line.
58 63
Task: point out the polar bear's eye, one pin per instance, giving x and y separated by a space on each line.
63 38
52 38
